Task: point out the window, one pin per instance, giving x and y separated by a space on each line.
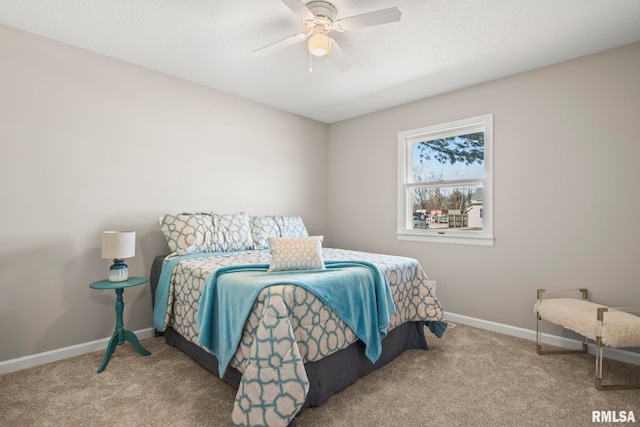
445 185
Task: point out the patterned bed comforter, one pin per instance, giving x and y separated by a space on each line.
289 326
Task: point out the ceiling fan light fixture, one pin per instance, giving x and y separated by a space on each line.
319 45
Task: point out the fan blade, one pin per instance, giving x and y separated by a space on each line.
378 17
337 56
274 47
299 9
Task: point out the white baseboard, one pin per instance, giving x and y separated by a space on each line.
528 334
63 353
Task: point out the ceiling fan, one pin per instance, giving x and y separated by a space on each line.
320 19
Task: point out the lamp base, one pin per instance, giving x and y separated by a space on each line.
119 271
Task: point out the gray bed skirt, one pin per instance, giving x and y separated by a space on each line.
326 376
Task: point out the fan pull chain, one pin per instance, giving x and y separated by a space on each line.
310 63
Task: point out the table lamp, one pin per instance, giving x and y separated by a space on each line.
118 245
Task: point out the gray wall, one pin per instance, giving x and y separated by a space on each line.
566 178
88 144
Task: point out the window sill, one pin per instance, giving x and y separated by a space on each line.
447 237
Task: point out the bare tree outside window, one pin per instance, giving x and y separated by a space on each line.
445 193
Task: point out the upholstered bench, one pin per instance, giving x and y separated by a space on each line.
612 327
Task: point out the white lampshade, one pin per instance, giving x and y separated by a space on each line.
319 45
118 244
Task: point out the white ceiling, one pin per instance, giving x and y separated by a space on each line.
438 45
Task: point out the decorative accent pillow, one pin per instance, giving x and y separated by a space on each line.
293 226
233 232
263 227
188 233
302 253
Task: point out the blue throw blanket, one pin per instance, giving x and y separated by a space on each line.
161 300
355 290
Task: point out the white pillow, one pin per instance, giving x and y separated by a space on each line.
263 227
293 226
303 253
188 233
233 232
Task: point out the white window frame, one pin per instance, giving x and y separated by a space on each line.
406 139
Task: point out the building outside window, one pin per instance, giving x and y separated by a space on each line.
445 182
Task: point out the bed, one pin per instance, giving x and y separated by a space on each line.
280 317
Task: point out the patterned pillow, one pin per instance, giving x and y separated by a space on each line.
263 227
293 226
233 232
188 233
302 253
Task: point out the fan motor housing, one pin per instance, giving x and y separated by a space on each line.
323 11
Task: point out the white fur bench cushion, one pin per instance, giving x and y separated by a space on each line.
620 329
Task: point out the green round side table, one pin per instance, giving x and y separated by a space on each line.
120 336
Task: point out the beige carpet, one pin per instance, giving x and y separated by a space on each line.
470 377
